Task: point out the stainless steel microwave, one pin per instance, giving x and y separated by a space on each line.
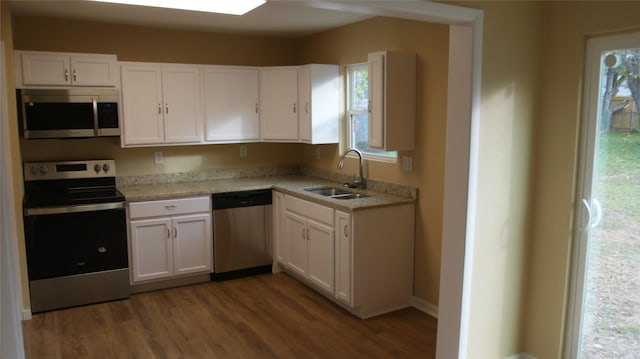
68 113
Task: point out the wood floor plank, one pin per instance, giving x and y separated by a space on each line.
265 316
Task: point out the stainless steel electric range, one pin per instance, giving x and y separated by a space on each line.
75 233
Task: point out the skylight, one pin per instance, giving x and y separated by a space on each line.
230 7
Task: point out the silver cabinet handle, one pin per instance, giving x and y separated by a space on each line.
159 109
303 236
369 106
175 232
308 236
166 108
66 74
294 108
346 232
75 75
256 108
170 206
306 108
168 233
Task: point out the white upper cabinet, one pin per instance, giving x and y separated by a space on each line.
279 104
50 69
161 104
392 100
318 96
231 104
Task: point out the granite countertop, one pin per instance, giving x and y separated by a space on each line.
288 184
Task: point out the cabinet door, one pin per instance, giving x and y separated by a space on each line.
231 104
343 257
318 97
296 238
45 69
151 249
142 105
279 236
279 104
93 70
192 243
304 99
376 100
181 104
320 254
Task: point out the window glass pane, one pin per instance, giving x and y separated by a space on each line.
360 86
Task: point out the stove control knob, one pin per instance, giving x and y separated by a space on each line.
97 168
106 167
43 169
34 170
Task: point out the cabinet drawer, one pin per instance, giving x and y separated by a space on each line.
309 209
169 207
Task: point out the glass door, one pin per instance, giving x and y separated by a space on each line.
604 317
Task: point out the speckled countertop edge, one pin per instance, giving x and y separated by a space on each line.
157 188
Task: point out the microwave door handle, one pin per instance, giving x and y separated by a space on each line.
96 130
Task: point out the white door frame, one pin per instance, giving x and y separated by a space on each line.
584 186
461 154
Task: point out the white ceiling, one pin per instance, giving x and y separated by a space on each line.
286 18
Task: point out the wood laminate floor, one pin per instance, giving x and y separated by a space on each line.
265 316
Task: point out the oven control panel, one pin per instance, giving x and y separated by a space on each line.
34 171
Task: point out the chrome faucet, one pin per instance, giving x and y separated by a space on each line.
357 182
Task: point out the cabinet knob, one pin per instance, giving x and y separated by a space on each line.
66 75
75 75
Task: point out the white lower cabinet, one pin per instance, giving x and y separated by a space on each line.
309 233
170 238
362 260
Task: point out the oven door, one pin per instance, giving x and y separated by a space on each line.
65 241
76 255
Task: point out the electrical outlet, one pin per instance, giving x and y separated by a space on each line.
243 151
407 163
158 158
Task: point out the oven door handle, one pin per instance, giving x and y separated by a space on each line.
73 209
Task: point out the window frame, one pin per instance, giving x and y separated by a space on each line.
351 111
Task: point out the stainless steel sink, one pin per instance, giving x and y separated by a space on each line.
337 193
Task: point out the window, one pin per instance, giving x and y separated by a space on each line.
358 114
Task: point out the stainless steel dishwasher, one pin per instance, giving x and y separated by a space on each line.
241 233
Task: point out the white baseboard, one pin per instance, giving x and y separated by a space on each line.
425 306
522 356
26 314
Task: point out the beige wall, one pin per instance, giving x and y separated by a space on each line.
159 45
567 25
16 161
351 44
509 109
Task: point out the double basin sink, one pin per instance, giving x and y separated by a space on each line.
337 193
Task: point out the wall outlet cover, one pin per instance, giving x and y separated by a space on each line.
158 158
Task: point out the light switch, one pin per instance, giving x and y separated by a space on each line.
407 163
158 158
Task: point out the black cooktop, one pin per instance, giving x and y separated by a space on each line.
71 192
